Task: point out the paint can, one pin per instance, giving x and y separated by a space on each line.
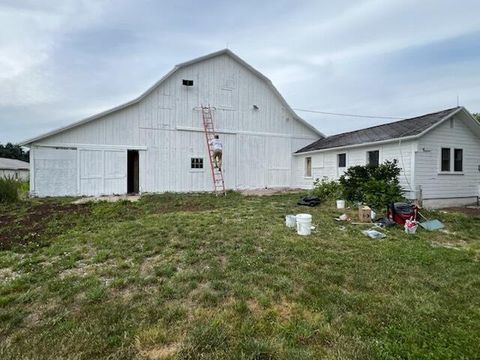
290 221
304 224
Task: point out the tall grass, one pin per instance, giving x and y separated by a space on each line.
8 190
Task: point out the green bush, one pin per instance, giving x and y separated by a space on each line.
326 189
8 190
376 186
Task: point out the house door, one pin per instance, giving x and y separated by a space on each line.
132 172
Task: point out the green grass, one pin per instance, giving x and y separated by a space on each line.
200 277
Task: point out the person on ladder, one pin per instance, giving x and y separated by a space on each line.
217 148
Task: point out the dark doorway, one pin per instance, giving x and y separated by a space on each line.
132 172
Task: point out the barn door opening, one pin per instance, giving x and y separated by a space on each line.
132 172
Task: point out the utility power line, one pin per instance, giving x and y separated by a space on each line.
350 115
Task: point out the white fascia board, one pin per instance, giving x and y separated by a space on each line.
91 146
372 143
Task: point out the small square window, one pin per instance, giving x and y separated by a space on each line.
196 163
308 167
445 165
374 158
342 160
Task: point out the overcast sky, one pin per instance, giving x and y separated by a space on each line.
62 60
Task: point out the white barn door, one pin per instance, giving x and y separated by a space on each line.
115 173
55 171
103 172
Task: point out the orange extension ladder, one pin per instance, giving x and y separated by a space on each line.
209 129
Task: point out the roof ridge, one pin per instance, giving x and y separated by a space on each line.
384 132
392 122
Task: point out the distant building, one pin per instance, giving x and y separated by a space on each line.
13 168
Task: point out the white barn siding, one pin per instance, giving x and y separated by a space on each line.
167 127
325 163
55 171
439 190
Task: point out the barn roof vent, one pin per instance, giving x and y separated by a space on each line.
187 82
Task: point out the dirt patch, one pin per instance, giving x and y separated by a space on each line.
165 352
30 226
110 199
7 274
148 264
40 312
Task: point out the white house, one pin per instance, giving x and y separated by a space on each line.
156 143
439 156
14 169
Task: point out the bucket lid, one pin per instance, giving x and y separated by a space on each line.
304 216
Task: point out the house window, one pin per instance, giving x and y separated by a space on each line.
458 160
196 163
342 160
308 167
373 157
186 82
445 161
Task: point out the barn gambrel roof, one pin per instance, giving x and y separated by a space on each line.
163 79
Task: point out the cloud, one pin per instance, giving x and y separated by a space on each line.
30 34
63 60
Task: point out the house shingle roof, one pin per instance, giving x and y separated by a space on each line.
12 164
398 129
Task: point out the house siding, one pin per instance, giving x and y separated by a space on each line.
439 190
324 164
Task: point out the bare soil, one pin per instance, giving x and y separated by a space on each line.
30 227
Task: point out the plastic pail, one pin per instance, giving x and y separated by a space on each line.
304 224
290 221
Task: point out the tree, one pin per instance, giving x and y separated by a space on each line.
476 116
11 151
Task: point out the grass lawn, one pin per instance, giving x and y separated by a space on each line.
200 277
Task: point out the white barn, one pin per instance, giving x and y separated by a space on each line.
156 143
438 153
151 144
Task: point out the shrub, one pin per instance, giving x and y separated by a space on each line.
8 190
325 189
376 186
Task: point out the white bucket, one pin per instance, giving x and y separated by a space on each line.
304 224
290 221
340 204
